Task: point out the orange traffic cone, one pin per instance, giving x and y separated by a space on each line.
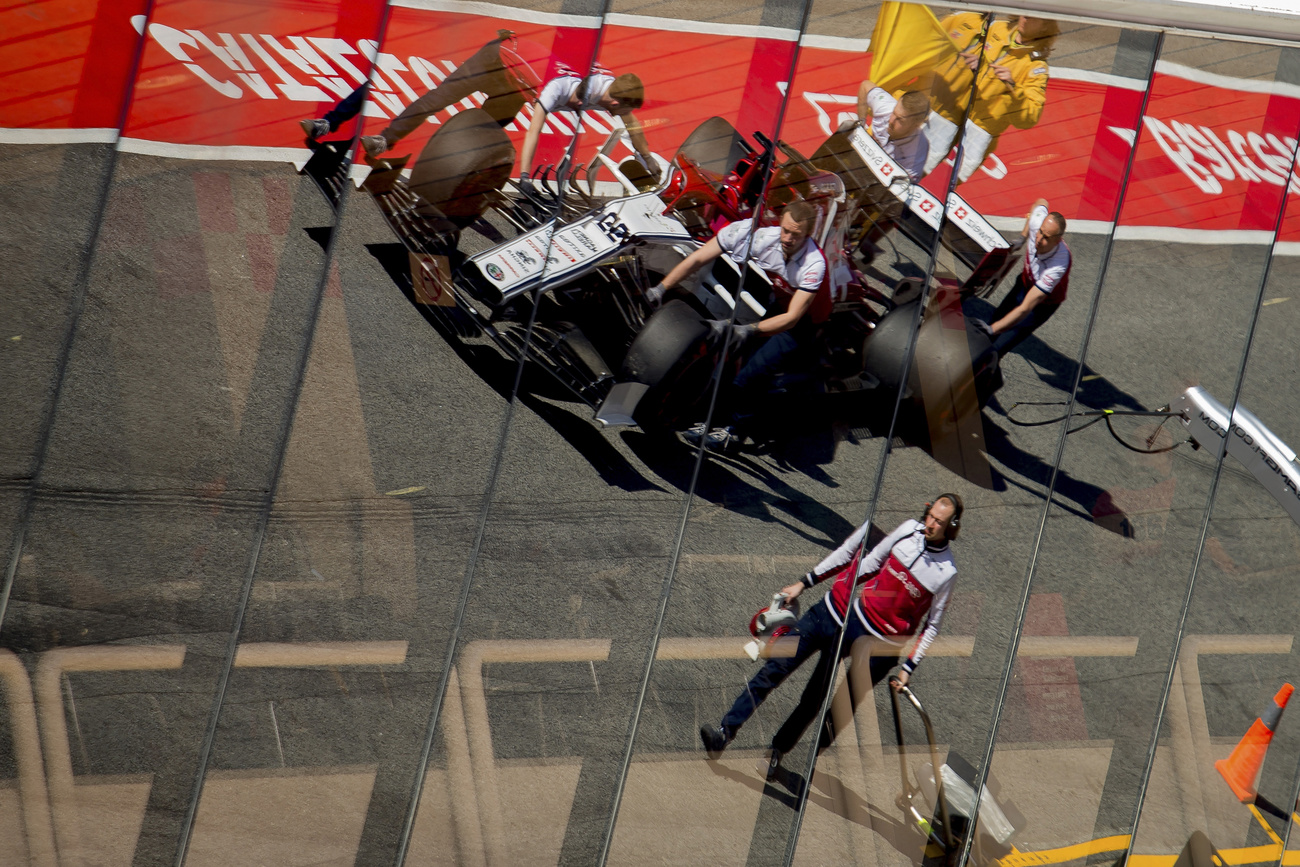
1241 769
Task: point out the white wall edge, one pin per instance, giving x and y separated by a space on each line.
12 135
497 10
208 152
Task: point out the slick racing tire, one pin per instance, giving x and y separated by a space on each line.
464 162
670 356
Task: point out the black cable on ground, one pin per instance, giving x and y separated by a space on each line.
1098 415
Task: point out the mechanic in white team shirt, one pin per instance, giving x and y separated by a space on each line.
788 254
572 93
898 125
1043 281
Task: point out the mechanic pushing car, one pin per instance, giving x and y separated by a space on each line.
571 92
909 579
1042 283
495 70
797 266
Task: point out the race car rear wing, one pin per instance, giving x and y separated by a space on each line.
920 201
1269 460
552 255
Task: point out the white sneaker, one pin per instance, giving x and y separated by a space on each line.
315 128
374 144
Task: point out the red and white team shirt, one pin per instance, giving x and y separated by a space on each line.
1050 273
806 269
909 587
558 91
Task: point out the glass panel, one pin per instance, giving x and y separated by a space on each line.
1174 312
207 276
550 678
997 358
811 425
1234 789
65 75
380 504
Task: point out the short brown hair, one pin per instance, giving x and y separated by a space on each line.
914 102
628 91
1060 220
804 214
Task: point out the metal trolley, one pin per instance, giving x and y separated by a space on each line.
941 805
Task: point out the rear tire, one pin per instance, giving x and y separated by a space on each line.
670 356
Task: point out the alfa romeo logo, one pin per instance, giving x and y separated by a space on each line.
494 272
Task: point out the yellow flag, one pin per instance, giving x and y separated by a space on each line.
906 46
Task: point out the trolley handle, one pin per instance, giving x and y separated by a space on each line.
895 688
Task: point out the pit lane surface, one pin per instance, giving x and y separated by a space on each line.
190 358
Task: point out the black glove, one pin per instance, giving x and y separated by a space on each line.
729 335
525 185
981 325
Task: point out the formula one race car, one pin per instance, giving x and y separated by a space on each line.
558 274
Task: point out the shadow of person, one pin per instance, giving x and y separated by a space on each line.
753 781
1037 473
848 804
722 481
1058 369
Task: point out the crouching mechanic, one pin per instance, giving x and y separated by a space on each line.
570 92
1043 281
791 258
909 580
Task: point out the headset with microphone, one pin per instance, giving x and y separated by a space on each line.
954 523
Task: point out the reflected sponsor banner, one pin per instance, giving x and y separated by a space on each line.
222 73
1214 151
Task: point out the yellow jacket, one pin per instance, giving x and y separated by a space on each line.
998 105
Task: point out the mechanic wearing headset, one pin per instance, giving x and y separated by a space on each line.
788 254
570 92
1041 286
897 124
908 583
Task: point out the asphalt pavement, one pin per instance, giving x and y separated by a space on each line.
295 561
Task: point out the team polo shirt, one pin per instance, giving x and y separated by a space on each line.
1048 273
805 270
908 591
558 91
909 152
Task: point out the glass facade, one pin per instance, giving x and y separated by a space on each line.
406 494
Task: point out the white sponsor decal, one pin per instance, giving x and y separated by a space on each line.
1269 460
1207 159
324 69
973 224
558 255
